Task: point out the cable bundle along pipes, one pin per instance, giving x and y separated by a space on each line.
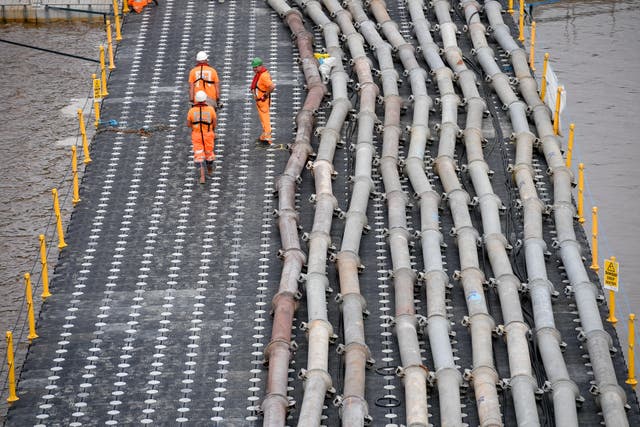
484 374
317 380
413 371
522 382
278 351
611 396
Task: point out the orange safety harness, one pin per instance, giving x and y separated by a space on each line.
202 122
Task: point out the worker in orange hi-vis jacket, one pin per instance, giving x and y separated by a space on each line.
138 5
261 88
202 121
204 77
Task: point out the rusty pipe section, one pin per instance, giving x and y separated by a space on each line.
413 372
610 395
278 351
522 381
317 381
354 410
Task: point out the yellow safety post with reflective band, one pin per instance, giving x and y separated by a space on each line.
31 315
521 22
631 378
543 84
83 133
572 130
110 46
56 209
116 19
96 103
532 48
581 193
594 239
556 114
12 371
45 269
103 73
74 172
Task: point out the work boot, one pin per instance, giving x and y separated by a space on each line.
209 168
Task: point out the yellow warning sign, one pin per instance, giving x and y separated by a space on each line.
611 270
96 89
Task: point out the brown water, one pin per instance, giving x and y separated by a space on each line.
40 93
595 50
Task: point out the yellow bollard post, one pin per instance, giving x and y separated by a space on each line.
612 308
581 193
96 104
521 22
594 239
532 48
116 20
83 132
125 7
510 9
556 114
74 171
11 368
32 317
103 73
631 379
543 84
572 128
56 209
110 46
45 269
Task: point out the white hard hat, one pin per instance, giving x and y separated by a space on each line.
201 96
202 56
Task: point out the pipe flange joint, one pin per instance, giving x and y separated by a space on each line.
523 378
566 383
544 283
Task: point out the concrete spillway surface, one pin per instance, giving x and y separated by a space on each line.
161 302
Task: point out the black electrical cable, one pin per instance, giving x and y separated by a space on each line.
49 50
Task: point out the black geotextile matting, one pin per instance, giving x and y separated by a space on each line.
161 301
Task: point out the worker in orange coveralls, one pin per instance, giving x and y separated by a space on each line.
204 77
202 121
138 5
261 88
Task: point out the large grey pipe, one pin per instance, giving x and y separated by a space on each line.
484 375
354 410
320 331
523 384
278 351
611 396
414 373
448 377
